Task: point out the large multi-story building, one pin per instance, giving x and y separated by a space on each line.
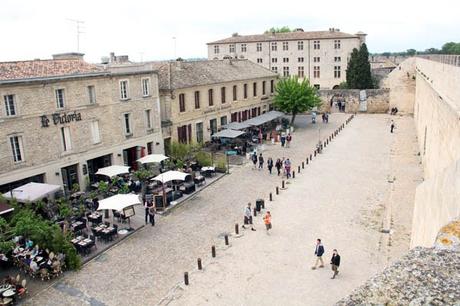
320 56
197 98
63 119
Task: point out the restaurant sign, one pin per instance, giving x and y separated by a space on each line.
60 118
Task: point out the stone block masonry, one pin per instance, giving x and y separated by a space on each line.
378 100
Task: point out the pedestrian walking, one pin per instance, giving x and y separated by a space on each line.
335 263
319 251
268 221
270 164
326 117
152 212
147 204
278 166
323 117
392 126
287 167
261 161
288 140
248 217
283 139
254 159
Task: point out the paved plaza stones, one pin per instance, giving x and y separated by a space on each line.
148 266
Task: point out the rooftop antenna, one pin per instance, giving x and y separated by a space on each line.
78 24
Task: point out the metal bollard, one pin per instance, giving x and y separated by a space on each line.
200 266
186 278
311 157
271 197
237 229
315 153
298 169
226 239
277 190
303 165
213 251
307 160
255 212
293 174
282 184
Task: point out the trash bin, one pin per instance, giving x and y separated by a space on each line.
260 204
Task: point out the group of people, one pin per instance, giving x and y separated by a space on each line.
280 164
247 221
325 117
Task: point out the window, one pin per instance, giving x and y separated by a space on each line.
275 69
211 97
199 132
300 72
263 87
223 120
231 49
65 136
213 125
92 94
259 47
95 134
222 94
245 91
60 98
337 72
124 93
216 49
337 59
300 45
274 46
259 61
316 59
285 59
197 99
235 93
148 119
146 87
286 71
10 105
274 60
243 48
150 147
181 102
254 89
300 59
316 72
337 44
316 45
272 86
285 46
16 148
127 124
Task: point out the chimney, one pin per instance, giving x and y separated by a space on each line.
112 57
68 56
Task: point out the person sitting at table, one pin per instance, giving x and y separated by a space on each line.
34 251
29 244
33 266
27 260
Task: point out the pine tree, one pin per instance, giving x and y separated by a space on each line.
359 69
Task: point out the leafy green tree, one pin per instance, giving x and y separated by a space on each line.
284 29
359 69
411 52
451 48
294 97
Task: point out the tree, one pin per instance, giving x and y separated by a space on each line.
284 29
451 48
411 52
359 69
294 97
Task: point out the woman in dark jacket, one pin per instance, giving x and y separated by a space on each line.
335 263
278 166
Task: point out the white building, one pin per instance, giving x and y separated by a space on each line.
320 56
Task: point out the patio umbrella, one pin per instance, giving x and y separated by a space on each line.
152 158
170 176
31 192
112 171
119 202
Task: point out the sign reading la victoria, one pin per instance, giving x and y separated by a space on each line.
60 118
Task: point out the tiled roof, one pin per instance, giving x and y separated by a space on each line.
207 72
45 68
285 36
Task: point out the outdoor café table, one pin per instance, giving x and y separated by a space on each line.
4 288
9 293
208 171
76 226
95 218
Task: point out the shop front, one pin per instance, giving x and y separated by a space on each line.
39 178
69 177
131 155
95 164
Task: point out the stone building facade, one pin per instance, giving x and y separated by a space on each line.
320 56
63 119
199 97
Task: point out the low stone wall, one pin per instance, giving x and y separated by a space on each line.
377 99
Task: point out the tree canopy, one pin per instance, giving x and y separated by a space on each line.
294 97
359 69
284 29
447 48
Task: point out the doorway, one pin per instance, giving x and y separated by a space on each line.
69 177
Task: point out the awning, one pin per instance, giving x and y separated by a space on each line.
119 202
228 134
152 158
170 176
264 118
31 192
112 171
5 208
236 125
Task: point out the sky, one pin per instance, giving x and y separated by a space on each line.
157 30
